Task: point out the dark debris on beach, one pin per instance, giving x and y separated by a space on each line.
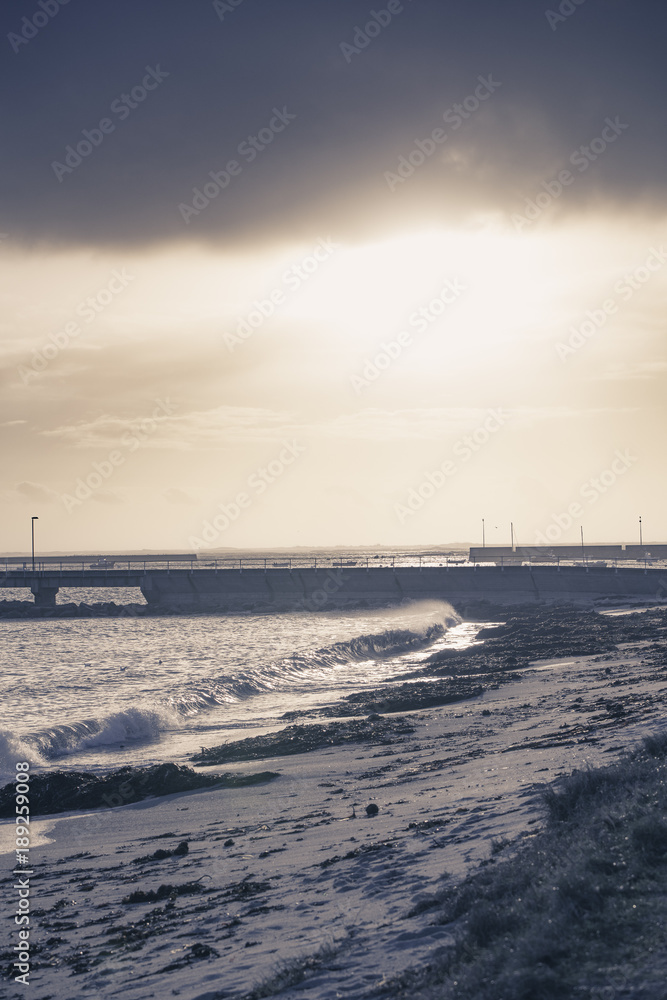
535 631
63 791
301 739
398 698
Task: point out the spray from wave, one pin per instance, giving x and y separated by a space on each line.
13 749
119 727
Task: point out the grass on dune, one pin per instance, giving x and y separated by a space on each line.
578 911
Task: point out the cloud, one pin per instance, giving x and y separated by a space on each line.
223 426
197 429
353 121
37 492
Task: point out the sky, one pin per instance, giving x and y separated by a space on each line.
316 274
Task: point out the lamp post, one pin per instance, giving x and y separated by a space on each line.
583 550
32 529
641 541
483 535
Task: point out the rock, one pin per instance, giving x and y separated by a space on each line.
372 810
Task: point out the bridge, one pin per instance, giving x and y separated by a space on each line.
243 585
46 576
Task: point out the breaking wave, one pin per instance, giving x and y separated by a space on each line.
13 749
128 724
304 670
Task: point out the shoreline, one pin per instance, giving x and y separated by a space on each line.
443 675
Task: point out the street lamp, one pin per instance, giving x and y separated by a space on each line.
641 542
32 526
483 535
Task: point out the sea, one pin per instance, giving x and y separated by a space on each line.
94 694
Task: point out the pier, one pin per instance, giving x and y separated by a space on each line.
191 585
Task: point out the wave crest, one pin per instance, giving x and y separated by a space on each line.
296 670
15 748
301 667
392 642
70 738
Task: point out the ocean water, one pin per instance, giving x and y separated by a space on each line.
97 693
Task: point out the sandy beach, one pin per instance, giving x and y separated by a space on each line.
293 874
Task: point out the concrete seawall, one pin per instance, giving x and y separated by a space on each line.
357 587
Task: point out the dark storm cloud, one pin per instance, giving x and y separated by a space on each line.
210 78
